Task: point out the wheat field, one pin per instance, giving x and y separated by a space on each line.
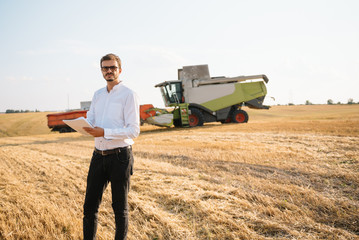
290 173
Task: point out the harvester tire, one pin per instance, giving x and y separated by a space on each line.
196 118
228 120
63 130
240 116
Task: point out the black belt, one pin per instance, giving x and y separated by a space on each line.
111 151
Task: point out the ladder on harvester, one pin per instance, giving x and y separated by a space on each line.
183 108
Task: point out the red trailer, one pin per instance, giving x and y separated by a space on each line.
55 123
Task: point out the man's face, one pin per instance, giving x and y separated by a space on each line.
110 70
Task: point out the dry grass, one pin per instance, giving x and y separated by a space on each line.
15 124
290 173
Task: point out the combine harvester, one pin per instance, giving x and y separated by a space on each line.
196 98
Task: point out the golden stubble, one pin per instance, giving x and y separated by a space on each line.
282 176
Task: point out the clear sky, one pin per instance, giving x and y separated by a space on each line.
50 50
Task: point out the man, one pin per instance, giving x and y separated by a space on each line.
114 113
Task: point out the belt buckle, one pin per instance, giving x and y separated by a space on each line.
103 153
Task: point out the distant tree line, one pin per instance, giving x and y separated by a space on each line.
329 102
350 101
19 111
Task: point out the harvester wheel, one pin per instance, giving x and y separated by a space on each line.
228 120
196 118
239 116
63 130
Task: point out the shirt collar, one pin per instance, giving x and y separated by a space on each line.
115 88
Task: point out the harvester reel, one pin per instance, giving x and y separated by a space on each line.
196 118
239 116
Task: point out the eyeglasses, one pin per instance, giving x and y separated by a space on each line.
112 68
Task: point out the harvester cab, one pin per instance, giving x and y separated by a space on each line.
172 92
198 98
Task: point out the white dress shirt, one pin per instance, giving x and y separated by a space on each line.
117 112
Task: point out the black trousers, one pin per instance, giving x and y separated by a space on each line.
117 169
